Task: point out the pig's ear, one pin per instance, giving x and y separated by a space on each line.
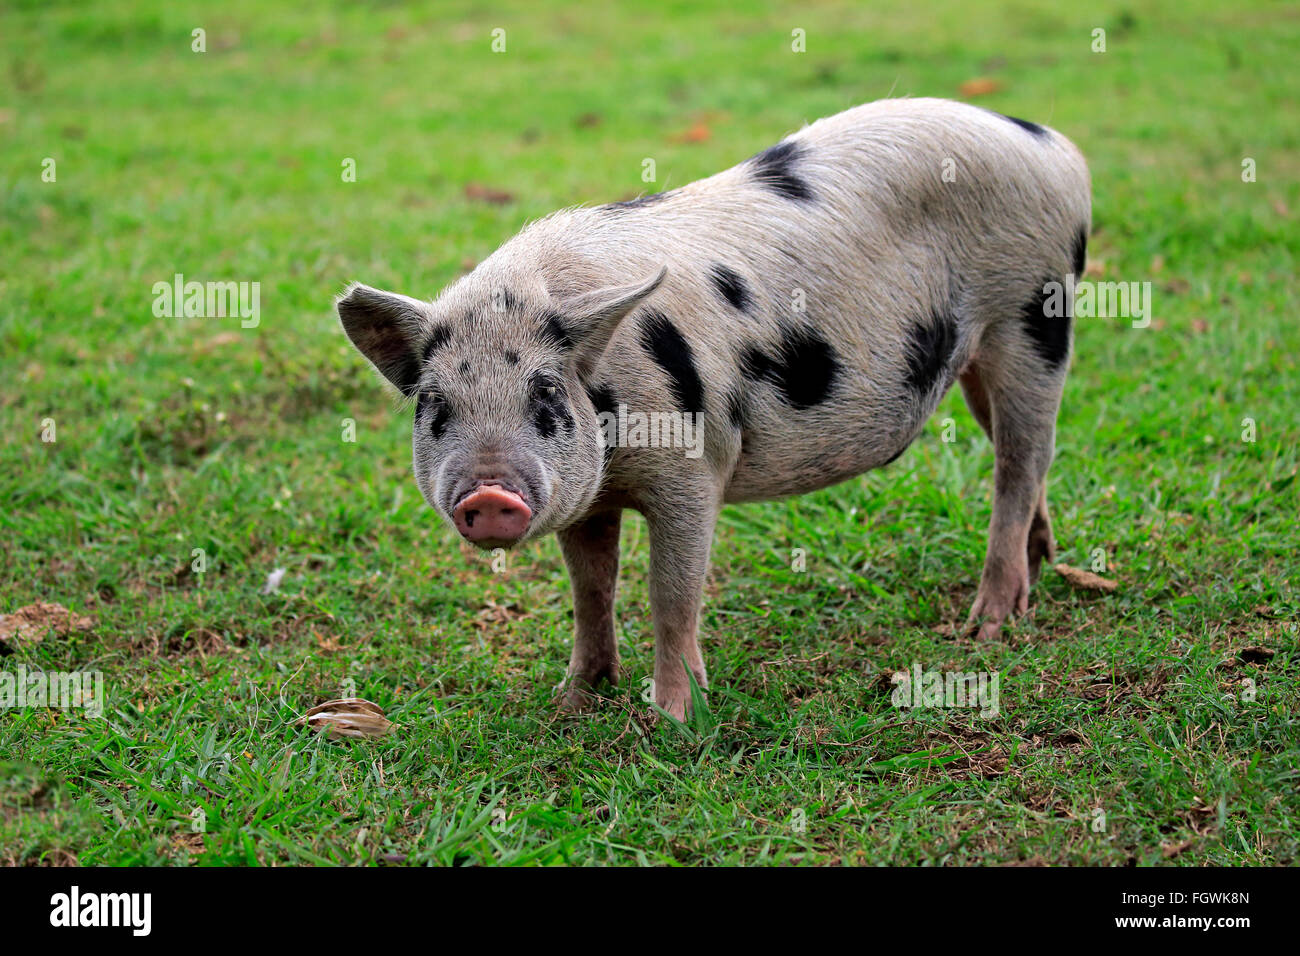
388 329
593 316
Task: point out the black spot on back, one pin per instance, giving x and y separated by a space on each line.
555 332
1080 252
439 336
639 202
1049 333
928 352
673 354
503 300
804 369
776 169
896 455
737 413
731 287
602 398
1023 124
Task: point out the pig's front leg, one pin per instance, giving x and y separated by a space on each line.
591 553
681 533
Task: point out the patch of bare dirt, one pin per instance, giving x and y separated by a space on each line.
33 623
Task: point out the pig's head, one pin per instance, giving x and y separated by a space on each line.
505 437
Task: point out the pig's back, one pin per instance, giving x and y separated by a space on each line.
831 287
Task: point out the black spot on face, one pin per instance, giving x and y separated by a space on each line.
550 406
804 369
928 352
406 373
638 203
431 412
439 336
673 354
1080 252
512 357
464 367
1023 124
777 169
544 418
1049 333
731 287
555 331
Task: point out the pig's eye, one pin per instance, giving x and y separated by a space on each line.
545 388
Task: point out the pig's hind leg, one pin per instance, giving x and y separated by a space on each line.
1041 545
591 554
1014 392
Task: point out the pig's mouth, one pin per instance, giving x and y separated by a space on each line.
493 514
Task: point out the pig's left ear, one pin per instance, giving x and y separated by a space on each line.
388 329
592 317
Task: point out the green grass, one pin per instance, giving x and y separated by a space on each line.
177 434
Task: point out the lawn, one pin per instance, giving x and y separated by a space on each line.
1158 723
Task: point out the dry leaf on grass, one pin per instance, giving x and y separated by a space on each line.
190 842
697 132
31 623
347 717
481 193
980 86
1255 655
1086 580
492 614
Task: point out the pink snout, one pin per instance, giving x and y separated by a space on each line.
491 516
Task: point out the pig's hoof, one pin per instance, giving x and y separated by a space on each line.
576 694
987 630
677 706
574 698
674 697
994 608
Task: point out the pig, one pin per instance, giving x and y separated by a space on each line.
809 306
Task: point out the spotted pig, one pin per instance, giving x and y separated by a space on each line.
811 306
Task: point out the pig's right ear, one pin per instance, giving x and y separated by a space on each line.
388 329
592 317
